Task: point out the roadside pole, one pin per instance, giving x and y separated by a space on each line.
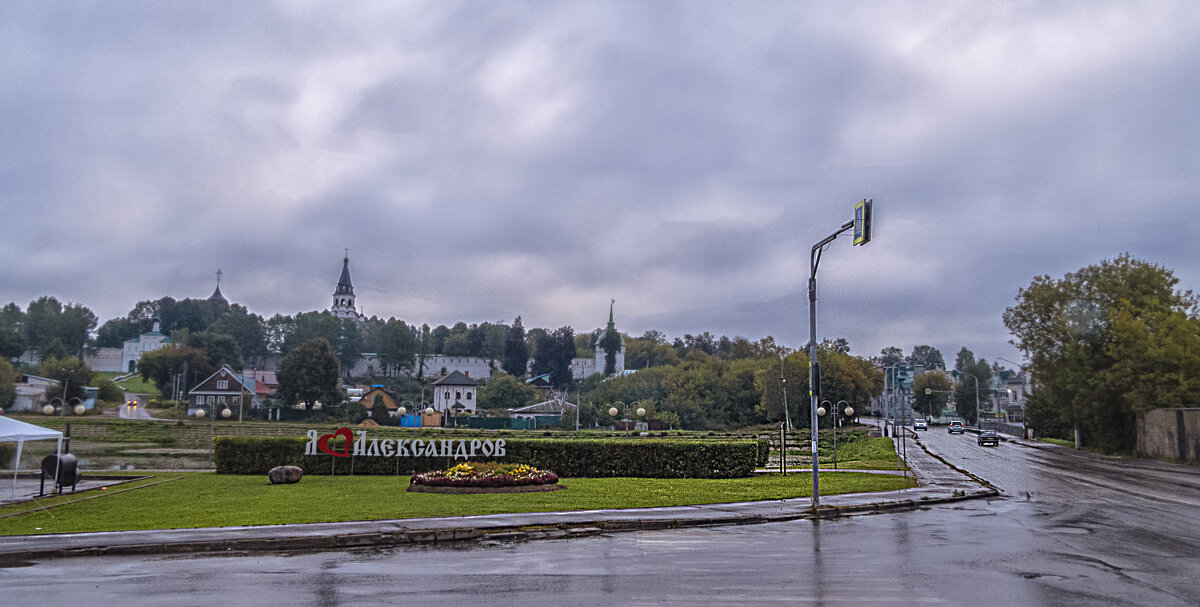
862 235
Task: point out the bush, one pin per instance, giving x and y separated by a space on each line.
7 452
658 458
764 451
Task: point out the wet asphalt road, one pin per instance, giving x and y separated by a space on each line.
1070 530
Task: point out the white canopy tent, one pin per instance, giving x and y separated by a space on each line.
15 431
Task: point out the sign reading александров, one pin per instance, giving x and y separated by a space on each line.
396 447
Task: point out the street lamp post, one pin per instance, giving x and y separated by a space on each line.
626 409
978 413
837 421
861 224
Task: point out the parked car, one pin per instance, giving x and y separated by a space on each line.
920 424
989 437
956 428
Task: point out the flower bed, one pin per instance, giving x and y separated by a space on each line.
485 476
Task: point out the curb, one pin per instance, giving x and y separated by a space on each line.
458 535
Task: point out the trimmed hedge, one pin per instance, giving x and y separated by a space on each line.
659 458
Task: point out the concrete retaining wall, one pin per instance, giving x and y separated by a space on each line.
1170 433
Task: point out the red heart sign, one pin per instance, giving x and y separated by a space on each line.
323 442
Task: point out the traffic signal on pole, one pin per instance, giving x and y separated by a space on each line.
862 222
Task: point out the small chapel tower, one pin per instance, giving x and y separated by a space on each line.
343 295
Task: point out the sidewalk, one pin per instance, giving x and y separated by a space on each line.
939 483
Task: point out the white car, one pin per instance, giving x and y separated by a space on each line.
919 424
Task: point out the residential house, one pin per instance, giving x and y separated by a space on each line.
224 389
455 393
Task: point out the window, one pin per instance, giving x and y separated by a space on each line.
199 400
210 399
457 395
221 399
468 396
447 395
222 384
237 400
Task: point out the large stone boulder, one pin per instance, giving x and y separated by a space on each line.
285 475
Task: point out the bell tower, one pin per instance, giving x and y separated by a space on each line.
343 295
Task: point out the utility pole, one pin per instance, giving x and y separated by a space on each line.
787 420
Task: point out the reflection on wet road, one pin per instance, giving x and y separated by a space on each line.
1070 530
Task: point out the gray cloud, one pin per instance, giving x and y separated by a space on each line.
482 162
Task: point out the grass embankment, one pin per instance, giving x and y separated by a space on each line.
211 500
856 451
134 384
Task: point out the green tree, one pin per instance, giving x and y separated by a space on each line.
503 392
349 344
46 320
55 349
424 348
926 356
973 387
610 344
564 353
109 392
113 333
248 330
379 410
1105 343
69 371
176 359
771 386
8 379
12 344
308 374
931 405
891 356
642 352
516 352
398 349
439 335
313 325
278 329
221 349
456 345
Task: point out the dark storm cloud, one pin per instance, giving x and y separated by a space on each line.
481 162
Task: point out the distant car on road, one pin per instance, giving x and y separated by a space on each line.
956 428
920 424
989 437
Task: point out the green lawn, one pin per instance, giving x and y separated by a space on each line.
859 453
1058 441
210 500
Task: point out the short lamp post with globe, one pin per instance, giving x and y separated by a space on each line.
625 410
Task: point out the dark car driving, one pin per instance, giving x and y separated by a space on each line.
989 437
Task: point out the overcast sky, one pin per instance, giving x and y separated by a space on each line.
487 159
